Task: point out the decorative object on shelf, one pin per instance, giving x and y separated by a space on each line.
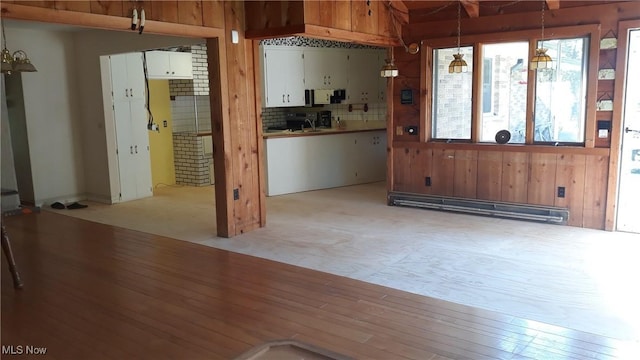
605 102
18 61
609 41
503 136
458 65
541 60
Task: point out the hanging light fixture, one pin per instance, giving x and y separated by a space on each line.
389 69
16 62
541 60
458 65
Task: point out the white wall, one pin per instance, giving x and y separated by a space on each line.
51 111
71 146
98 132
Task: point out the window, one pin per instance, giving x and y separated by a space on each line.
560 93
542 107
452 96
504 90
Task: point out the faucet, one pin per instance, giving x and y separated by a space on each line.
312 123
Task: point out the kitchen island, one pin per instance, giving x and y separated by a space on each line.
312 160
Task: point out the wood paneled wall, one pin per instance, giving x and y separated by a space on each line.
510 176
208 13
525 174
351 20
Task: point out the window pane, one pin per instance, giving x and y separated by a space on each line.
452 95
504 90
560 93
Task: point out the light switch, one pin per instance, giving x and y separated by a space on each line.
234 36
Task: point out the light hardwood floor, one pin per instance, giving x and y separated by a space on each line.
575 278
94 291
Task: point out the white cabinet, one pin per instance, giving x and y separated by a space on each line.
315 162
371 156
363 69
325 68
283 76
169 65
130 118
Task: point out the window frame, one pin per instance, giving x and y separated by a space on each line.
592 32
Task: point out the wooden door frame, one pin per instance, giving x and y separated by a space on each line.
616 126
216 52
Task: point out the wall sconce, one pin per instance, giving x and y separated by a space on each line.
16 62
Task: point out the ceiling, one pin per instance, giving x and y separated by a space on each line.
427 10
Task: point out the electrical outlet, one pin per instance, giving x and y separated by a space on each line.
561 191
236 194
427 181
165 123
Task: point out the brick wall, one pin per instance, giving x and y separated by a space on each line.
191 161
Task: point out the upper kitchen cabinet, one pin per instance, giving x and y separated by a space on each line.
325 68
283 76
169 65
363 68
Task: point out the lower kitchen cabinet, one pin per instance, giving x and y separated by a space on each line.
314 162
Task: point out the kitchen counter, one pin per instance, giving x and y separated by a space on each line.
320 131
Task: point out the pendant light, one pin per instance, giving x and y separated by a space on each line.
389 69
16 62
541 60
458 65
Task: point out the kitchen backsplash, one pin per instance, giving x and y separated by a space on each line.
275 117
309 42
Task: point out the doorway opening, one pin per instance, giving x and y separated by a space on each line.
629 177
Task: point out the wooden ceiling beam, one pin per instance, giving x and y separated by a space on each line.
472 7
553 4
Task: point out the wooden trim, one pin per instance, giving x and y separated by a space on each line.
617 122
108 22
323 32
592 89
269 33
390 128
507 23
531 96
503 148
262 173
520 35
476 94
426 92
327 33
221 136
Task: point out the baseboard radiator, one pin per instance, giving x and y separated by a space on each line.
548 214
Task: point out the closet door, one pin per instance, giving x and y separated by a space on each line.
141 156
129 105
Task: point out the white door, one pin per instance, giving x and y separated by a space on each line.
629 191
130 118
124 140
